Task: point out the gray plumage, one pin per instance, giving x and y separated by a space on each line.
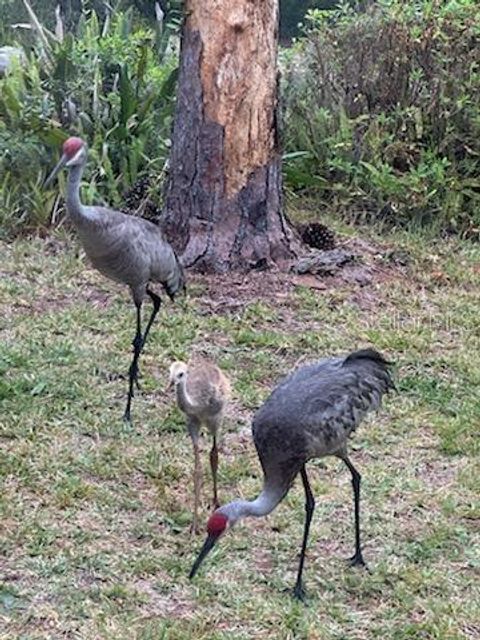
310 414
124 248
314 410
128 250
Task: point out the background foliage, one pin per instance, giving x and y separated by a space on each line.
14 12
112 82
382 112
380 102
292 12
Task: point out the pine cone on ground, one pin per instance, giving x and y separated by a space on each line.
137 201
137 194
317 235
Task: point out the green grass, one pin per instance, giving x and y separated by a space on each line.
95 516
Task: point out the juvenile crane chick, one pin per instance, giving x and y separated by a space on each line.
202 392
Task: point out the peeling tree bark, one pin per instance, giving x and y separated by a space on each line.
223 204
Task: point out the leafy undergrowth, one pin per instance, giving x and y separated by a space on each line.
95 516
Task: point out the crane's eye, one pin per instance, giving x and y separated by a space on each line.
180 374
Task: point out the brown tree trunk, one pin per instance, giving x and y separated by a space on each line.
223 204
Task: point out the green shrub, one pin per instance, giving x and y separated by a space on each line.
112 83
381 111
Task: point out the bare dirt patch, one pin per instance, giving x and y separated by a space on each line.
371 266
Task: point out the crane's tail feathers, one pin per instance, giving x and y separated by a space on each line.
371 355
177 282
367 354
173 293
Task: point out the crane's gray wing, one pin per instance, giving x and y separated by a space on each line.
131 250
313 411
306 372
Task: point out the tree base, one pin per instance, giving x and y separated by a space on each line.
244 233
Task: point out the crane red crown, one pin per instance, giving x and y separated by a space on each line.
217 523
71 146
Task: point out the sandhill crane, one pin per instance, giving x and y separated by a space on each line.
124 248
202 393
309 415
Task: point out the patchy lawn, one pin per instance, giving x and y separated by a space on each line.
95 515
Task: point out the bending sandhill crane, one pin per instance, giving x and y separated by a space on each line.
309 415
202 393
124 248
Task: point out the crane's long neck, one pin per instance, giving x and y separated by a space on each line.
185 402
74 206
264 504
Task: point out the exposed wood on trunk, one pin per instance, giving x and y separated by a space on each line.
223 207
238 76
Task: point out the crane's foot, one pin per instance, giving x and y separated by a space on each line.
299 593
357 560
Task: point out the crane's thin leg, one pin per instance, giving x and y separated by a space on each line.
156 307
214 468
197 484
298 590
133 371
357 558
157 301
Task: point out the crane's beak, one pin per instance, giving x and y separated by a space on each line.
62 162
207 547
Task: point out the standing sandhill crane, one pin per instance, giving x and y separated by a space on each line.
202 393
126 249
309 415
